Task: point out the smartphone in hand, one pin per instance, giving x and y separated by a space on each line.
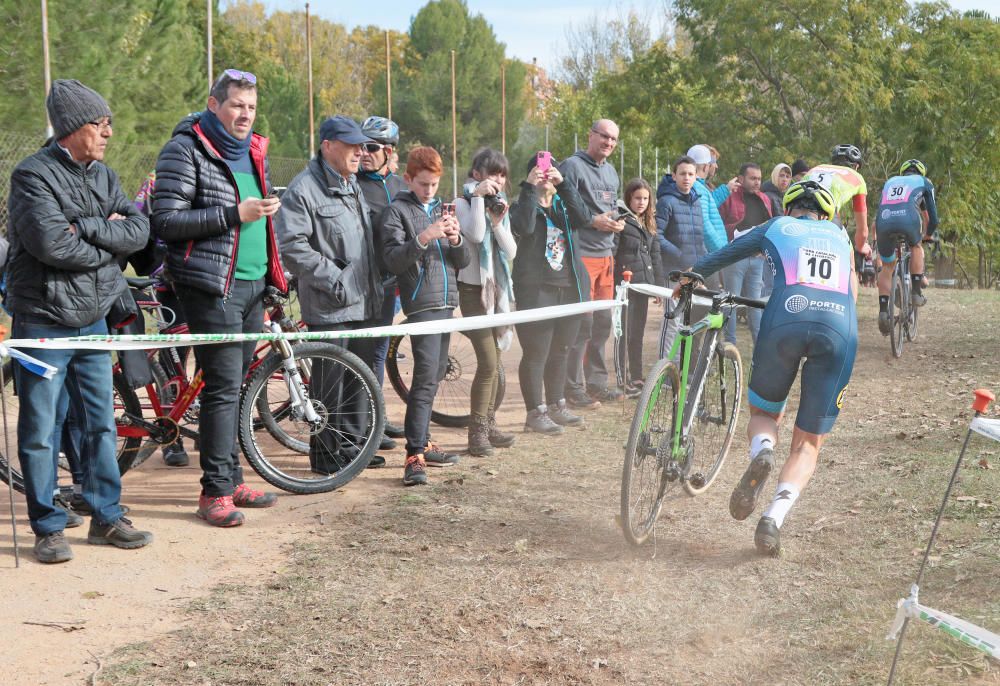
544 161
447 208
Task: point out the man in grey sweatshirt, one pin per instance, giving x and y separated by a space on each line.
597 181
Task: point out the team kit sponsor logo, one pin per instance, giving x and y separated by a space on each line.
893 213
800 303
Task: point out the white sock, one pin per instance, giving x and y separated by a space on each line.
785 496
758 443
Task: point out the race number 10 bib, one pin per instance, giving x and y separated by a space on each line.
818 268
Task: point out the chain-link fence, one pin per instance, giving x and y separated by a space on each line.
132 163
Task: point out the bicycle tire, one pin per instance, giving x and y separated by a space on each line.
291 470
897 309
647 453
125 400
714 425
911 320
451 404
273 408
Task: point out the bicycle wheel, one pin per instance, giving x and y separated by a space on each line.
715 417
897 312
273 411
351 419
647 453
125 400
911 311
451 404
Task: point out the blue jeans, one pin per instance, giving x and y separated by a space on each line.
745 278
86 377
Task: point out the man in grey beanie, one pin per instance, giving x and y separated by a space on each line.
69 225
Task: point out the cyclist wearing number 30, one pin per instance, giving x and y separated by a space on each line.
810 316
905 199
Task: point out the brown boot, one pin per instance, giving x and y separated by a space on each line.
479 441
497 438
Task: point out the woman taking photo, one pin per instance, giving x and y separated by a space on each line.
484 287
547 271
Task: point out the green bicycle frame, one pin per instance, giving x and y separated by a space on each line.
714 320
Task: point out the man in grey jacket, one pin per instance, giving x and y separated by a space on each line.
69 224
597 181
325 234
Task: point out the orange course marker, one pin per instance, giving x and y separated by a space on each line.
983 399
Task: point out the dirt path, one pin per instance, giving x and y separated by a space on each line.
512 570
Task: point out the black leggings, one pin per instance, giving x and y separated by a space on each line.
545 345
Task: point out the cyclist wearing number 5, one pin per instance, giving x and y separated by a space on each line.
810 316
842 180
906 199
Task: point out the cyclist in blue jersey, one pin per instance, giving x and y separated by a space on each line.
810 316
906 208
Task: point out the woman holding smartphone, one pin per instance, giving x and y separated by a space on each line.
547 271
485 287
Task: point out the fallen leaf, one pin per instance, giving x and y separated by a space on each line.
190 664
521 545
91 595
984 463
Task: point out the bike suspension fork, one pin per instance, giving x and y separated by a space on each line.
298 394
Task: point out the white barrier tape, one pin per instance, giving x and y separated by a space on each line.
987 427
148 341
34 366
659 292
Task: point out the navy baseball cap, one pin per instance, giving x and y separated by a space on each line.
343 129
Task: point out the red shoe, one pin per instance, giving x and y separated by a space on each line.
219 510
244 496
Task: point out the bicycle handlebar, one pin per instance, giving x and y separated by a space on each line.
140 283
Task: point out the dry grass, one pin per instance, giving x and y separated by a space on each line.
512 570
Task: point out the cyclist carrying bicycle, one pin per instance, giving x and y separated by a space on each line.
907 201
810 316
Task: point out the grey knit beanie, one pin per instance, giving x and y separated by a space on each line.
72 105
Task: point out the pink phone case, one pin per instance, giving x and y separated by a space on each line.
544 160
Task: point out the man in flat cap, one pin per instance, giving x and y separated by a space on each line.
70 223
325 232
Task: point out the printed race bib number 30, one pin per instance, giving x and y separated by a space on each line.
818 268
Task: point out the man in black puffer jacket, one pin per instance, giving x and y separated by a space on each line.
69 224
210 208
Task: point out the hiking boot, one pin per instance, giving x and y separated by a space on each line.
377 461
633 390
393 430
479 436
766 537
244 496
435 457
497 438
73 520
387 443
52 548
606 394
174 455
120 534
561 415
219 510
414 473
918 299
884 323
744 498
581 401
539 422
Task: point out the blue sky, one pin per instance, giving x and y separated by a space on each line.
530 28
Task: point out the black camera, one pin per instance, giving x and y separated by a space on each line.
494 203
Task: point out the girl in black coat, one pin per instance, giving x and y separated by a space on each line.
638 251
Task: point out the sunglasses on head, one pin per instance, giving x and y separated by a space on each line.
372 147
238 75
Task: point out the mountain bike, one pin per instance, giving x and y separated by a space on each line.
451 404
910 608
281 418
685 418
902 313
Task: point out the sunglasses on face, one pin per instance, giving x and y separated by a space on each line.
372 148
238 75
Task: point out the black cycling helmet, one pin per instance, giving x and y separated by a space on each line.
382 130
809 195
913 165
847 153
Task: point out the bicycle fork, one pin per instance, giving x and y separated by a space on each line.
298 393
